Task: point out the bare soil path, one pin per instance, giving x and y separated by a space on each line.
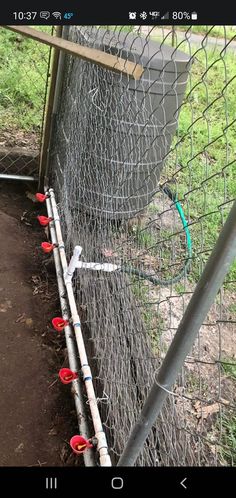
36 411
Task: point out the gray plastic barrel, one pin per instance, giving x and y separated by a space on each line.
130 124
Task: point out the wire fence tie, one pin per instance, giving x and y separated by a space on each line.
165 388
105 399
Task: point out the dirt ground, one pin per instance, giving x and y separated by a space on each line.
36 410
204 394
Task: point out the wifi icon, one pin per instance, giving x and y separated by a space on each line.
57 15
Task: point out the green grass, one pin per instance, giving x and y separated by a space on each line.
159 246
215 31
229 368
228 439
151 317
23 70
232 308
144 238
205 155
203 162
179 288
227 423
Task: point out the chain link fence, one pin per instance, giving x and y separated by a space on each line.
144 173
24 74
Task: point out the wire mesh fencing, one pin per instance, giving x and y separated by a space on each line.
144 173
24 72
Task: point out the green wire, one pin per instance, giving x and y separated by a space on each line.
187 262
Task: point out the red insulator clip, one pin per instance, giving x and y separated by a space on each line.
41 197
47 247
59 323
79 444
66 375
44 220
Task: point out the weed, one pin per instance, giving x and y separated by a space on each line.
229 368
180 288
144 238
232 308
228 427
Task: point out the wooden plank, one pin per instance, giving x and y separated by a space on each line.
99 57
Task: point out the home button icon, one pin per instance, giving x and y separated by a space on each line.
117 483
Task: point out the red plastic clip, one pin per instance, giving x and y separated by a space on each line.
44 220
66 375
47 247
41 197
59 323
79 444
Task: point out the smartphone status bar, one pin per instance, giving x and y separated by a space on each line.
105 16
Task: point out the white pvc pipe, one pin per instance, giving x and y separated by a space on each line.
102 446
71 346
108 267
75 263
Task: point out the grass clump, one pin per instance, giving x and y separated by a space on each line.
23 73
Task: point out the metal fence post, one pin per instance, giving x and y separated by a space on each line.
206 290
44 155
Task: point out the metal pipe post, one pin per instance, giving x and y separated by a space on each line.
47 128
23 178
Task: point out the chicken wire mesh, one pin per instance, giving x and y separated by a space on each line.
24 75
135 191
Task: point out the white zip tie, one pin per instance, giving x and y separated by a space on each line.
105 399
